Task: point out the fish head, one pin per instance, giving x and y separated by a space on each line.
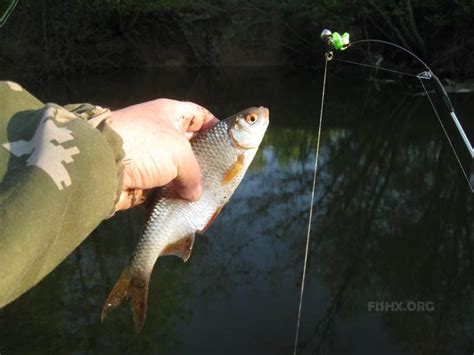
248 127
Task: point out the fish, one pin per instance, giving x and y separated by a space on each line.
224 153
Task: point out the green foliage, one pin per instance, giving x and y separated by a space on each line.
132 6
330 12
53 36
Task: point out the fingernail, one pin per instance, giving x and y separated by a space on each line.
192 194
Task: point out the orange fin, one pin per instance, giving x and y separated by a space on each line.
136 287
234 170
212 219
181 248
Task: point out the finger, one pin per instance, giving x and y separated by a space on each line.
188 179
197 117
130 198
209 122
190 135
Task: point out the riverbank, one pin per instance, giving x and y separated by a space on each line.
53 38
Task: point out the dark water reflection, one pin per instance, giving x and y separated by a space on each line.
393 223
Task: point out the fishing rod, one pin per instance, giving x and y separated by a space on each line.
8 11
337 42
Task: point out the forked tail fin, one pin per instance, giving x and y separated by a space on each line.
134 286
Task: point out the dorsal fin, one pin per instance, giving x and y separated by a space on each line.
182 248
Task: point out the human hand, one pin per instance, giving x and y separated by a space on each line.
157 150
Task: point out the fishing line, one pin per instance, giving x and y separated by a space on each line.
446 134
375 67
396 46
310 218
422 77
337 42
428 75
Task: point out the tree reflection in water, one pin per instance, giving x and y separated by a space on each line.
393 223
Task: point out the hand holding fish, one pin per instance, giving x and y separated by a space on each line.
157 150
224 153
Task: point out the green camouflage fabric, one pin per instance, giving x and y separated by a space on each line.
60 174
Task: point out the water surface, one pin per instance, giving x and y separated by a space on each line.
393 223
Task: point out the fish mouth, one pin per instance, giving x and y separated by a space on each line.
265 113
262 113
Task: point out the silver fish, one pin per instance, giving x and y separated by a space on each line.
224 153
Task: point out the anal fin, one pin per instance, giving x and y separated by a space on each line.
181 248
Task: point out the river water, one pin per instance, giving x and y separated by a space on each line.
391 263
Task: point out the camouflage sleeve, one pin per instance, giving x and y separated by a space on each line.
60 171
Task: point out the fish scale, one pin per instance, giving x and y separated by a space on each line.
224 152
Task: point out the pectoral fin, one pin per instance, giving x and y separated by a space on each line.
235 169
181 248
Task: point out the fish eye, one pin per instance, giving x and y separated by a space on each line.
251 118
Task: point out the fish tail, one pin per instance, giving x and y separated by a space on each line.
134 286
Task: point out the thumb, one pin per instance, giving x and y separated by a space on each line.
188 179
